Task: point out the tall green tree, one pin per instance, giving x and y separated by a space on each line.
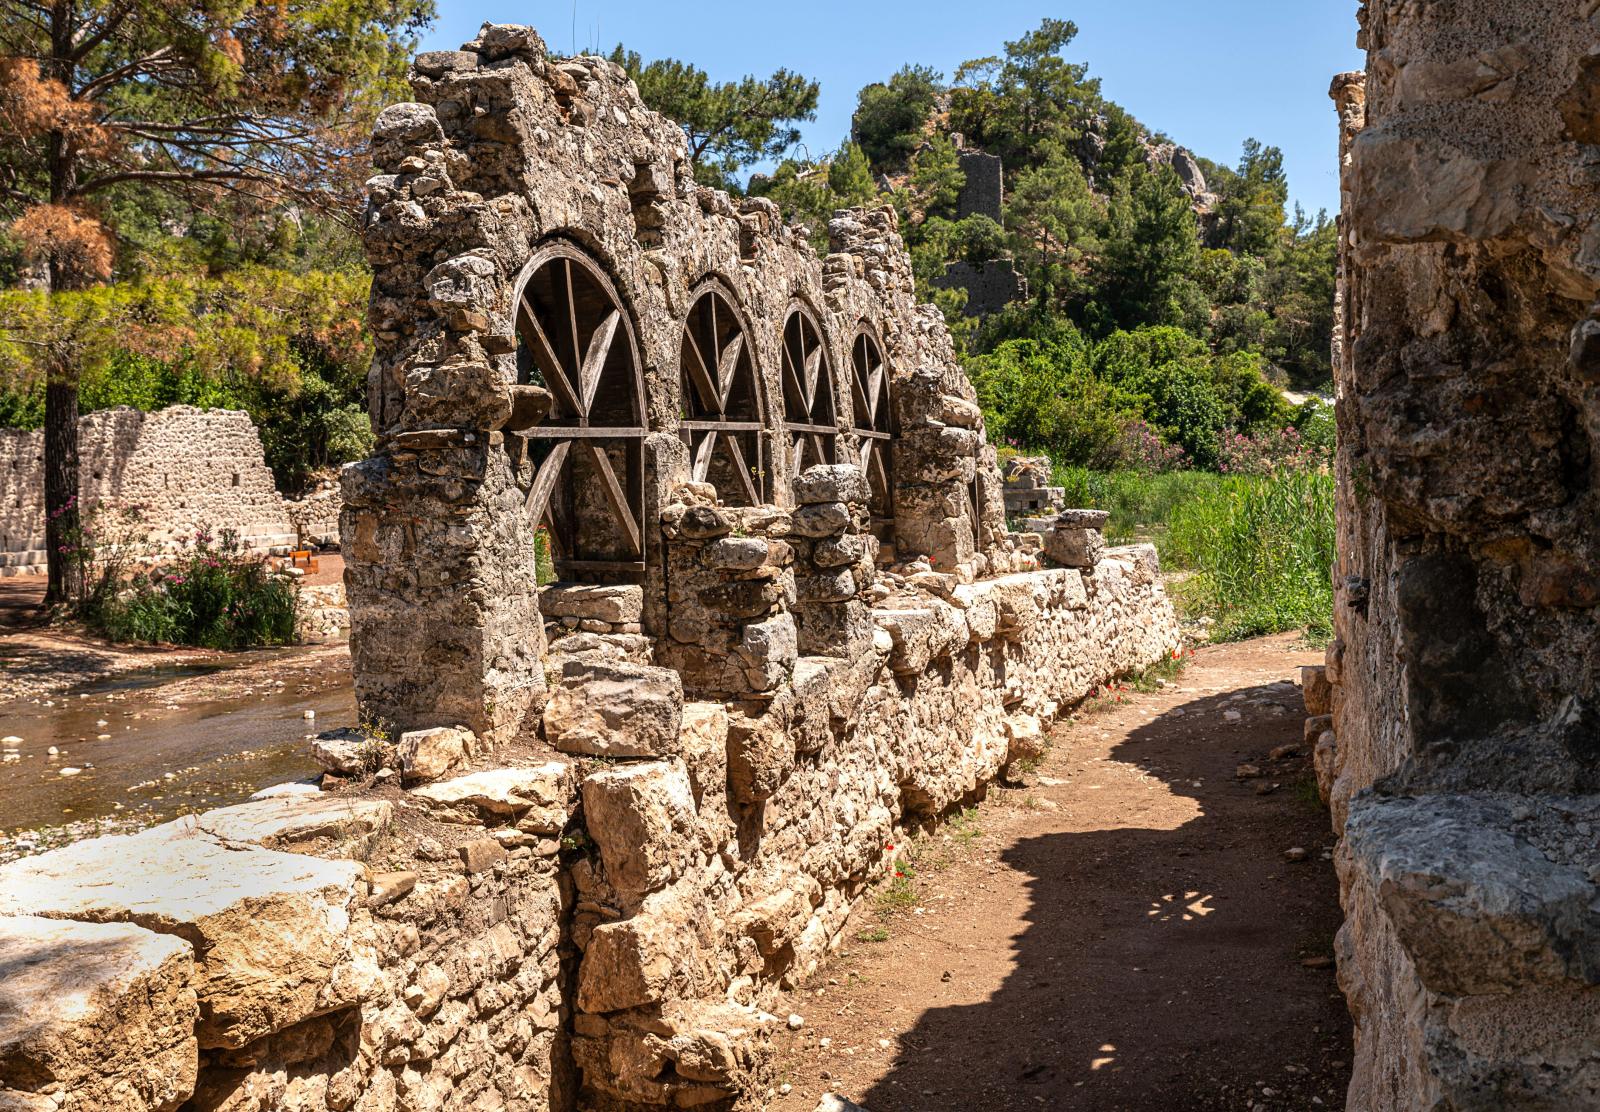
201 100
1150 248
1008 105
1054 218
891 117
1250 211
731 125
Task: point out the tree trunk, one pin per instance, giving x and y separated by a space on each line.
61 529
62 518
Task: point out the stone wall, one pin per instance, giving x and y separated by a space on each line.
1462 763
597 825
982 186
184 468
297 954
529 930
526 208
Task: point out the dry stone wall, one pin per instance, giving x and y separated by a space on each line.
600 824
185 469
1460 757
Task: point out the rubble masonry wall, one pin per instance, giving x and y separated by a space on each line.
1461 761
186 469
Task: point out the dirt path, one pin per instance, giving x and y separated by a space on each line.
1126 934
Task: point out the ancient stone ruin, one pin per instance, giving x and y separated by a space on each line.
185 469
615 814
990 284
599 824
1462 755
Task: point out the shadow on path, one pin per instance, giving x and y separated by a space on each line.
1156 969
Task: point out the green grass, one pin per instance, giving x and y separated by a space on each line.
1259 549
1141 504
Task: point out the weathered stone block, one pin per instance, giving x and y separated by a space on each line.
828 482
426 755
738 554
705 745
822 519
744 599
612 709
616 605
288 822
95 1016
1083 519
1480 905
642 818
539 798
851 549
1316 690
761 755
272 930
1075 547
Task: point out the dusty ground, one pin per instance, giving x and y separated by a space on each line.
1125 934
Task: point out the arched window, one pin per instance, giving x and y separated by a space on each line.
875 427
808 409
575 340
721 419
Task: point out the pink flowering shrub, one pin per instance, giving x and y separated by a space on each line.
1268 453
214 596
1142 449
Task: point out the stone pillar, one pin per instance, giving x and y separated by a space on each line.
730 589
439 571
1465 699
836 559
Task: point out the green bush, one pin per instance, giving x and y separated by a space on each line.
215 597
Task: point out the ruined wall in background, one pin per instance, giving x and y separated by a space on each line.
185 468
1464 757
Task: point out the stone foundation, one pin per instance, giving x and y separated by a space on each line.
532 931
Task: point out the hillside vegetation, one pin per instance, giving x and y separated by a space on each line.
1161 321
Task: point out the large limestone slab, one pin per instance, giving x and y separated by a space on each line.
1487 893
99 1015
272 930
290 822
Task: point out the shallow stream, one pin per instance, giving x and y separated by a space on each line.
155 743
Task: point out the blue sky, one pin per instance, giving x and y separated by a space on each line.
1209 75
